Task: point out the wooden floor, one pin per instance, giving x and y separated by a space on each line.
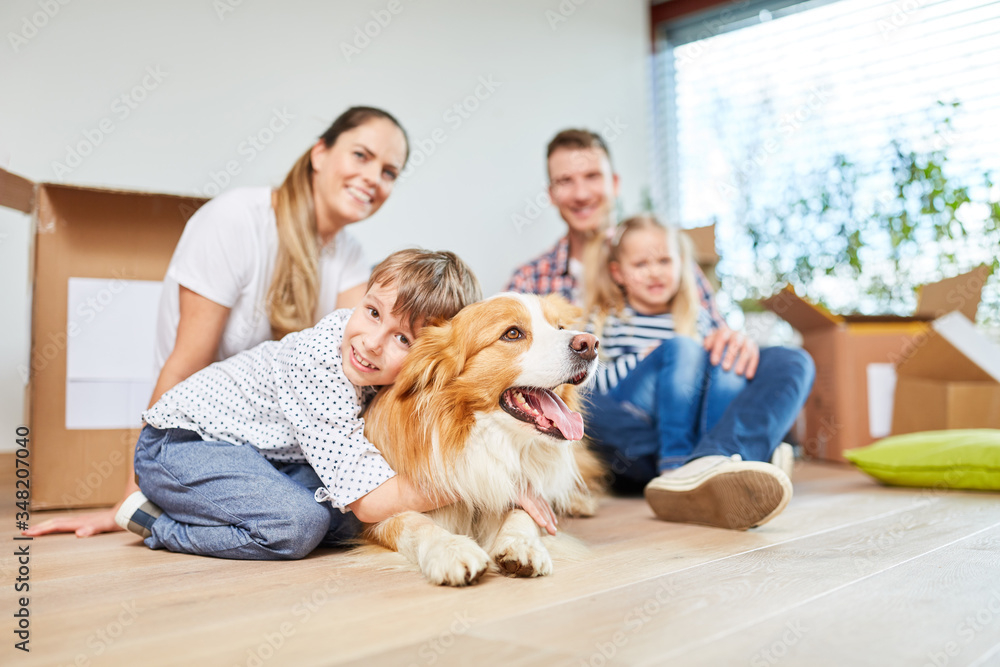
851 574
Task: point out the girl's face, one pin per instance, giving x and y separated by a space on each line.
648 269
355 176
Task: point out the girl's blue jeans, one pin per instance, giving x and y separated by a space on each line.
675 406
228 501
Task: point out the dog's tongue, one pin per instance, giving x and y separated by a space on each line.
569 423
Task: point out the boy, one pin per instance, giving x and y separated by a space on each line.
260 456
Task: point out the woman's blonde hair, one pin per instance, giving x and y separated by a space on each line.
295 285
603 296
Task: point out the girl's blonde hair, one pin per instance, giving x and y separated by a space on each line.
295 285
603 296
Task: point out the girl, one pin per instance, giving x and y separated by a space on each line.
666 414
254 264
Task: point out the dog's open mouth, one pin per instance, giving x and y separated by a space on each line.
544 410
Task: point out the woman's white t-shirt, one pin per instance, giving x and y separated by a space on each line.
227 254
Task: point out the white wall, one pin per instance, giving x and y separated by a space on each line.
222 69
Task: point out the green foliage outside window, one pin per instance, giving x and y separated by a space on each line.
829 232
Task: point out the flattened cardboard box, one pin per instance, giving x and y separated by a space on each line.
950 379
83 232
844 346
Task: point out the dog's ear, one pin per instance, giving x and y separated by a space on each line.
559 311
433 361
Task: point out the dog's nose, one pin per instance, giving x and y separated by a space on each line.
585 345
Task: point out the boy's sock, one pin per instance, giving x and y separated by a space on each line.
137 514
720 491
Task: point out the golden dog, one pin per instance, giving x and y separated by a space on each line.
485 407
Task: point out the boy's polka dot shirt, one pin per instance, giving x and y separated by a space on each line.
291 400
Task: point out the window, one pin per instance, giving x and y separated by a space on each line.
767 112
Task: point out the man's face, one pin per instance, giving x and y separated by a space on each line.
583 187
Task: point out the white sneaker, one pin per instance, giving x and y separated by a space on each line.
720 491
137 514
784 458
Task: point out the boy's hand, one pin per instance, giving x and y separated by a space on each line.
539 509
83 525
741 353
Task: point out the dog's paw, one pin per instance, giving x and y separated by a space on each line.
523 557
454 560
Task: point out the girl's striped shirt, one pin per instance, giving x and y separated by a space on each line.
626 338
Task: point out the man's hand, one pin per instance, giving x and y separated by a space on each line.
740 353
648 351
539 509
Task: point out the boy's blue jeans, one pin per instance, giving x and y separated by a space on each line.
675 406
228 501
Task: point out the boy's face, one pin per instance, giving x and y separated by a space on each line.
375 341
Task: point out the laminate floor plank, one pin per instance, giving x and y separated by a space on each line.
676 613
852 560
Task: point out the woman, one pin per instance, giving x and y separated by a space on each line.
255 264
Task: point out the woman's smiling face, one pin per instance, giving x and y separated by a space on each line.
353 177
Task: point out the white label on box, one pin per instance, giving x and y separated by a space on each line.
881 390
111 334
109 404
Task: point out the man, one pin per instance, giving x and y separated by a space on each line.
583 187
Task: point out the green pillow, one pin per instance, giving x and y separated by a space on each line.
961 459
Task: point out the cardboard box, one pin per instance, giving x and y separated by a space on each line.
849 350
949 379
705 254
83 232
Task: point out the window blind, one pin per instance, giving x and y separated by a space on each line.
753 99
